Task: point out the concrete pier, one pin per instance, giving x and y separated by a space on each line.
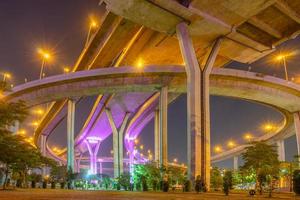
280 150
163 127
118 141
198 115
70 134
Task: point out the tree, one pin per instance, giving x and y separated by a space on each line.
227 182
59 173
263 159
124 180
216 180
34 178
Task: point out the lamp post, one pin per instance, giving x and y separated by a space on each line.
93 24
282 57
45 55
6 76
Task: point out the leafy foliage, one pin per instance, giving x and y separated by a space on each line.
216 180
263 159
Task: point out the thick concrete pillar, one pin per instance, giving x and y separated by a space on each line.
235 163
43 152
93 148
297 130
280 150
70 134
78 165
100 167
43 144
156 137
198 115
118 141
163 127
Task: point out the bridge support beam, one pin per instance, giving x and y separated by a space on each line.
70 134
198 114
118 141
163 127
297 130
78 164
156 137
43 151
93 148
280 150
235 163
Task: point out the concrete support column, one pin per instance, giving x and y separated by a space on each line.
163 127
78 165
235 163
198 115
43 144
297 130
70 134
100 167
156 137
43 151
93 148
118 140
280 150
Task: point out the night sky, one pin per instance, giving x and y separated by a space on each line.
62 25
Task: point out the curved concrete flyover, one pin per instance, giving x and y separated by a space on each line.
268 90
226 82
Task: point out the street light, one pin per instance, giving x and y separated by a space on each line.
39 111
282 57
6 76
45 55
248 137
267 127
140 63
66 70
231 144
218 149
93 25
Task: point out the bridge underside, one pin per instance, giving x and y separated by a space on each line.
129 34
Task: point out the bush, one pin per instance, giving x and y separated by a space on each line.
53 184
187 186
62 185
296 182
144 183
227 182
44 184
33 184
165 186
199 185
154 185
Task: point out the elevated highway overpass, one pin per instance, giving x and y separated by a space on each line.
196 33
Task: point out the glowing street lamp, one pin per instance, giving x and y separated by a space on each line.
22 132
218 149
282 58
35 123
231 144
93 25
66 70
248 137
6 76
267 127
45 55
140 63
39 111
